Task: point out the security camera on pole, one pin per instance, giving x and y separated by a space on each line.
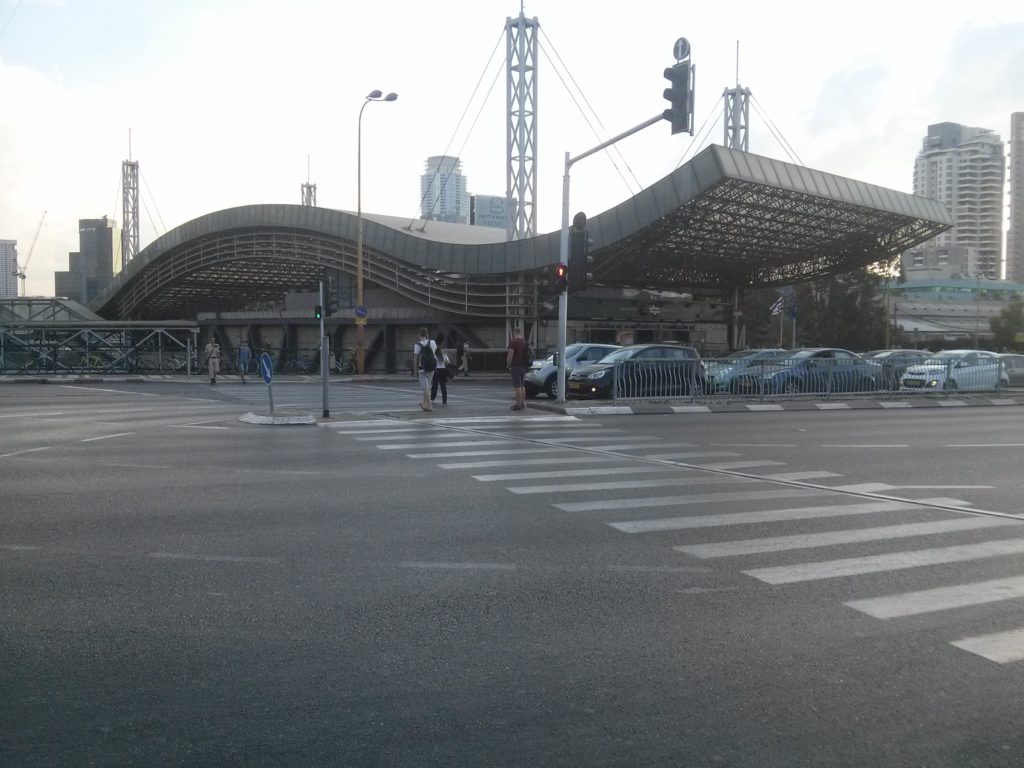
680 115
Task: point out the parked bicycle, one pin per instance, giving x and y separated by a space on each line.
173 363
304 364
345 365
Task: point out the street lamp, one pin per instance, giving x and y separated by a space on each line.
361 319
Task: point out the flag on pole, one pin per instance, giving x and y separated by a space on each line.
778 305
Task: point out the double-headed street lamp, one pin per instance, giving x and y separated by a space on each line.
360 308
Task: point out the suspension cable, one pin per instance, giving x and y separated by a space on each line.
699 137
761 111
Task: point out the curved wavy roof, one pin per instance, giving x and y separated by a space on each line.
724 218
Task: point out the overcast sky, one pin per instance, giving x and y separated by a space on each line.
226 99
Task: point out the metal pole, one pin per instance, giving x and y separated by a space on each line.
563 297
360 328
324 370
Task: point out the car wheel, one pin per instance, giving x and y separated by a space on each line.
791 387
551 386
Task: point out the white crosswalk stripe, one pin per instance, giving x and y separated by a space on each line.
758 517
833 538
940 598
615 485
530 462
569 473
1001 647
702 498
452 444
688 455
518 451
854 566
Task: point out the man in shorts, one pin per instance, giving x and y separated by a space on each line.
420 363
516 361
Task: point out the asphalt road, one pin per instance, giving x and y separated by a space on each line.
475 587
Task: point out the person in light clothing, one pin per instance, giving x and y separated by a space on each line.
424 361
244 360
213 359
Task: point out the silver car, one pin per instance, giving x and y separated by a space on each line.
955 369
543 374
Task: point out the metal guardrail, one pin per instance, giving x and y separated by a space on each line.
647 379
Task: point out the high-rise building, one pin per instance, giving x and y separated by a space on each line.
963 168
489 211
8 269
91 269
444 195
1015 237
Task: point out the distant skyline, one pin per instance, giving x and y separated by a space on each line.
226 99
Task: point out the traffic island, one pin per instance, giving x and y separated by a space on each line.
279 416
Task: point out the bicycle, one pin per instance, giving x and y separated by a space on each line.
345 366
304 364
173 363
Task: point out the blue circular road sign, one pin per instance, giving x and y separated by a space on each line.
266 367
361 312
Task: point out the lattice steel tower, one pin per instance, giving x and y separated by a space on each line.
736 102
129 209
521 128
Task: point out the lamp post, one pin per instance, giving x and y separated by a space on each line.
361 320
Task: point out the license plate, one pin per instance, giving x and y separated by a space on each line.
913 382
575 385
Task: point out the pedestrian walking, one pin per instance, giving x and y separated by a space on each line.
213 359
244 359
517 362
440 378
424 361
462 357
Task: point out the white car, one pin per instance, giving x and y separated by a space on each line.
955 369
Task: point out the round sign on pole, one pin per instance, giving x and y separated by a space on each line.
361 312
681 49
266 368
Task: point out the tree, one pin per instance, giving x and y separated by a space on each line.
842 311
1008 325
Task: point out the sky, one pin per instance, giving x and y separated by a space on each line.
233 102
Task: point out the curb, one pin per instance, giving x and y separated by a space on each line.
279 418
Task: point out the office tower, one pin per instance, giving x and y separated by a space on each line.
963 168
1015 237
8 269
91 269
444 195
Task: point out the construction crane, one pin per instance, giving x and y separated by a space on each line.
19 272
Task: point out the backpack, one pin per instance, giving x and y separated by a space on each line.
529 356
427 360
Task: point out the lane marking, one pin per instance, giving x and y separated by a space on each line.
194 426
637 446
458 566
427 433
24 450
613 485
832 406
940 598
659 568
834 538
212 558
894 404
951 403
530 462
495 452
855 566
741 464
30 415
862 445
1001 647
126 465
596 438
105 437
18 547
575 473
693 455
426 444
985 445
759 517
701 498
115 391
764 407
753 445
809 475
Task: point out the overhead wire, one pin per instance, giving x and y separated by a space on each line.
155 207
483 73
700 136
783 141
593 111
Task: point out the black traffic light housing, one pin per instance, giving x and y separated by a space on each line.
318 312
579 258
561 277
680 97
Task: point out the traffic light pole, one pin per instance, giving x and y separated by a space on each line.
325 369
563 297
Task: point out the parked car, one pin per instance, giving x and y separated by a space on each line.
819 370
543 374
642 370
722 371
1013 368
955 369
895 361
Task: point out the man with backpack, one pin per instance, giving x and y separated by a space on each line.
424 356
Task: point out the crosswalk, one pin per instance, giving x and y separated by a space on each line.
347 396
599 474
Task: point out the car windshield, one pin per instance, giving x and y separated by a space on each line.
618 355
572 350
942 358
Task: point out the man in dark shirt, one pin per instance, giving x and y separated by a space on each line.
516 361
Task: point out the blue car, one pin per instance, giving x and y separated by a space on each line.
723 371
812 371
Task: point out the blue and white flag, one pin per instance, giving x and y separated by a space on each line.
778 306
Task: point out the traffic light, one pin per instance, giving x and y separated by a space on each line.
332 306
318 312
579 258
561 278
680 112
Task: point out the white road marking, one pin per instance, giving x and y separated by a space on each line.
691 455
456 444
530 462
575 473
659 568
742 464
517 451
863 445
105 437
115 391
940 598
700 498
18 547
636 446
212 558
1001 647
759 517
985 445
614 485
194 426
24 450
951 403
764 407
589 438
894 404
363 424
809 475
691 409
459 566
124 465
31 415
854 566
427 433
832 406
1002 402
500 419
753 445
834 538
